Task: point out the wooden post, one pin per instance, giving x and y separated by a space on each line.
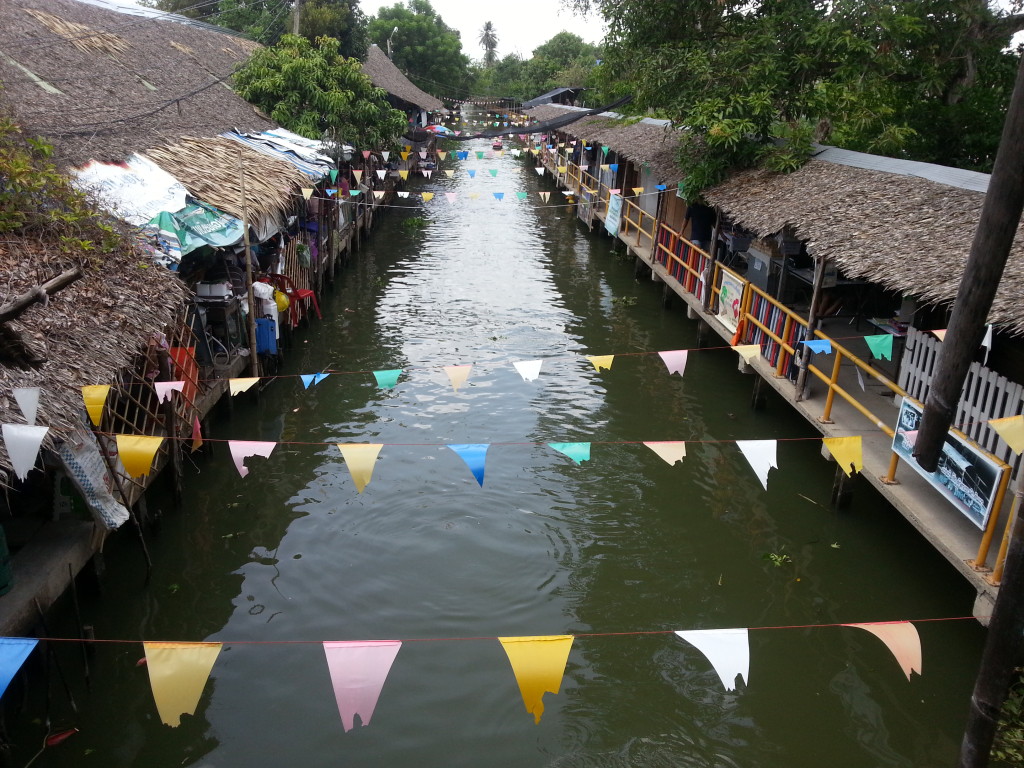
812 321
1000 216
254 358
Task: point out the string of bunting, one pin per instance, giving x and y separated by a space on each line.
179 671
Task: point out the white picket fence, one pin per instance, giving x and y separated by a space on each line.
986 395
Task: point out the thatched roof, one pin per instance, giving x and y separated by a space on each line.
209 170
100 84
907 233
384 74
645 142
87 333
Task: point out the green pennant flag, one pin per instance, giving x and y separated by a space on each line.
493 171
521 195
604 150
880 345
334 174
576 451
387 379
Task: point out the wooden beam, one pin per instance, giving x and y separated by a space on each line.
39 294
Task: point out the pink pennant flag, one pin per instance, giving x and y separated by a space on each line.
164 389
366 154
450 196
458 133
242 449
940 335
457 374
378 194
675 361
358 671
614 191
423 155
197 434
902 640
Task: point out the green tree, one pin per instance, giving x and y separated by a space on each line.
310 88
564 60
755 81
426 49
489 42
261 20
341 19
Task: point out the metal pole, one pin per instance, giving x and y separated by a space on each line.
812 321
254 358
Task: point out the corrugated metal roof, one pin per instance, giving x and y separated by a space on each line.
941 174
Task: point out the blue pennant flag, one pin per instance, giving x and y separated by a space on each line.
576 451
472 173
463 154
474 454
331 192
499 195
13 652
660 187
387 379
614 166
312 379
824 346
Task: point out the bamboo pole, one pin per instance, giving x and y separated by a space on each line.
812 321
254 358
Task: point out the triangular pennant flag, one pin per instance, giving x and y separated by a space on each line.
197 434
334 175
638 190
331 192
528 369
385 155
366 154
358 671
403 195
940 335
987 343
404 155
27 399
449 172
457 374
13 652
601 361
748 351
493 172
441 154
427 196
164 388
499 195
538 664
22 442
604 150
479 155
378 194
660 187
675 361
760 454
860 380
563 169
307 192
387 379
605 167
521 195
403 174
471 172
614 191
1011 429
137 452
821 346
614 166
880 345
847 451
902 640
177 674
423 154
355 192
728 650
243 449
463 154
474 195
240 385
475 456
381 174
94 396
500 153
427 173
669 451
360 459
312 379
578 452
545 196
358 175
459 133
450 196
540 170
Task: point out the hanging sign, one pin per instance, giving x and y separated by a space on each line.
731 292
966 477
611 221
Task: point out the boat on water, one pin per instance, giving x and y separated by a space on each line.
496 144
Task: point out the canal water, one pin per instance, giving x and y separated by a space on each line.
619 550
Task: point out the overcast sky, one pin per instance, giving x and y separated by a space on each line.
521 25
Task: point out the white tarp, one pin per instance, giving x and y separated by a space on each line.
134 191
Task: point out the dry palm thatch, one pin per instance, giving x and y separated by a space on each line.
211 171
82 37
384 74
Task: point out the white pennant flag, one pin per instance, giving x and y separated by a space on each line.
403 194
987 342
381 174
539 170
761 456
528 369
28 401
385 155
22 442
728 650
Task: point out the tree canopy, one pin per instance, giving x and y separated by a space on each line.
564 60
310 88
489 42
755 81
426 49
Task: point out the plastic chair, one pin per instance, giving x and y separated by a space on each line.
306 296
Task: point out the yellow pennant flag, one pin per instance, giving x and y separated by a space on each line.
474 195
499 152
360 459
137 452
404 174
240 385
847 451
457 374
441 154
605 167
638 190
748 351
427 196
95 395
563 169
405 155
601 361
1011 429
449 172
177 674
307 193
538 664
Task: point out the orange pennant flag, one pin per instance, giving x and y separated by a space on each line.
177 674
136 452
847 451
457 374
94 396
901 639
360 459
538 664
601 361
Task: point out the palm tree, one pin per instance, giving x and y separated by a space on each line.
489 42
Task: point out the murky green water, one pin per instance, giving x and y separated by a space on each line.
621 544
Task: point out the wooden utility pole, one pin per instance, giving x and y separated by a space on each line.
812 324
254 357
1000 217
